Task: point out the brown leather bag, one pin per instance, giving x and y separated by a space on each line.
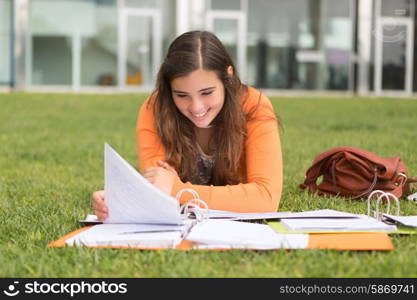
354 173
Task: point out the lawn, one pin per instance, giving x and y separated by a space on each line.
51 160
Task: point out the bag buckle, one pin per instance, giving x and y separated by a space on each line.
401 174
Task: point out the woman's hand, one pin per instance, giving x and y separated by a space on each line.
100 208
163 176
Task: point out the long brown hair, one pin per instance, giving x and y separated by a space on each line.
187 53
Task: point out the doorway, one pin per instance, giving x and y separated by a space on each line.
230 26
394 42
140 46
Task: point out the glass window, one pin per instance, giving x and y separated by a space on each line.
55 30
226 30
147 37
139 50
99 47
299 44
390 68
338 44
276 30
100 50
397 8
225 5
5 41
142 3
73 42
169 25
51 60
226 19
393 59
76 42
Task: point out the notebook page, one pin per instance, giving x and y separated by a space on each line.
242 235
129 235
363 223
410 221
322 213
130 198
230 215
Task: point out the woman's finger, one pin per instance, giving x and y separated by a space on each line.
99 206
102 210
99 195
151 179
165 165
149 171
149 174
101 216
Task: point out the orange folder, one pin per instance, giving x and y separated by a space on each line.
338 241
351 241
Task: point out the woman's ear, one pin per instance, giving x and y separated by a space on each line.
230 70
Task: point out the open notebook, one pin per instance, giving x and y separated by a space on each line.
142 217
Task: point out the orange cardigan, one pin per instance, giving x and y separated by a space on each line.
264 171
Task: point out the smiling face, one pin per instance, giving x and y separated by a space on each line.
199 96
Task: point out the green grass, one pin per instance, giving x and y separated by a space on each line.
51 160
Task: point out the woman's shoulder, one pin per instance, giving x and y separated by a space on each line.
146 111
150 101
147 107
254 98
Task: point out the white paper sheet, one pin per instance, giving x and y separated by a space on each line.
230 215
363 223
129 235
130 198
321 214
410 221
242 235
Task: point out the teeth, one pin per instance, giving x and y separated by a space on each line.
200 115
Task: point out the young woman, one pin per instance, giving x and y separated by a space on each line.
203 129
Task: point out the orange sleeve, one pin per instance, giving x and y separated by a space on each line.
264 171
148 144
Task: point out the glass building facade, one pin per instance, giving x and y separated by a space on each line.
86 43
6 42
363 46
301 44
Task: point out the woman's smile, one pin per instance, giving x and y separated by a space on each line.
200 116
199 96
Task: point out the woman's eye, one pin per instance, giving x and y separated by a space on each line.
207 93
181 96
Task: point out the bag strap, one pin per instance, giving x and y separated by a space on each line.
371 187
411 180
408 182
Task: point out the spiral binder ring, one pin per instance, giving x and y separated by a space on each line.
194 207
380 196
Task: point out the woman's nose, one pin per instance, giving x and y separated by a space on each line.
196 106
